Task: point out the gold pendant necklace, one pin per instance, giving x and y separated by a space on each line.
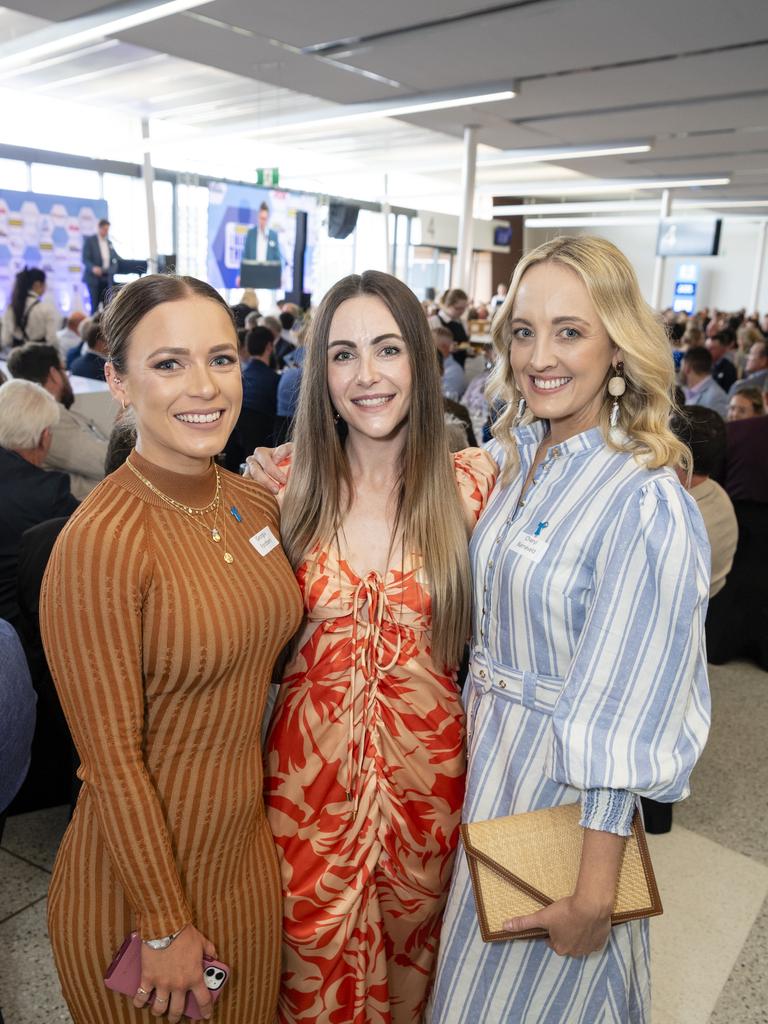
190 512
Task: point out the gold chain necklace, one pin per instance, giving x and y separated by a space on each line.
191 511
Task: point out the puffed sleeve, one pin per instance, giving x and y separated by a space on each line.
634 713
91 621
476 474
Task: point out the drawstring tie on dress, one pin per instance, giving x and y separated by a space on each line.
369 645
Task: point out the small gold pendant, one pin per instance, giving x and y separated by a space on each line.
228 558
215 535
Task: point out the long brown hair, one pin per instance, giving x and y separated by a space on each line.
428 511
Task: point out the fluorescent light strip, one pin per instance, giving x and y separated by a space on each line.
607 206
75 32
543 156
374 111
61 58
584 222
460 101
627 206
597 187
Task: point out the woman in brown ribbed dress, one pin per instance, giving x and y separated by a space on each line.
165 604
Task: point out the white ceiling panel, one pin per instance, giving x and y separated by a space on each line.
722 73
306 24
689 76
650 120
560 35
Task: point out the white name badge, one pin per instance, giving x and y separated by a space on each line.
264 541
529 546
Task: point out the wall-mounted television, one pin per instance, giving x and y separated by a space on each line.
503 235
689 237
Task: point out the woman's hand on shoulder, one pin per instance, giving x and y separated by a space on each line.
576 926
262 466
172 973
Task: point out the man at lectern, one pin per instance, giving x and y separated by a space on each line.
99 264
262 261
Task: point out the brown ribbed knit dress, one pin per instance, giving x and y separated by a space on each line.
161 654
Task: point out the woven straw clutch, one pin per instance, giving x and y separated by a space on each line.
521 864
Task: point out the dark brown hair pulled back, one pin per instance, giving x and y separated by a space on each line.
132 303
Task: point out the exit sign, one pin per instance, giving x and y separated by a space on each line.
267 176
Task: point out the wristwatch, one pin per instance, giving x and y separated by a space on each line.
163 943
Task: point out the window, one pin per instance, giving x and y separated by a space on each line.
14 175
370 242
399 228
429 268
56 180
163 194
192 254
126 197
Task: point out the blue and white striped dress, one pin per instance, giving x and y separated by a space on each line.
588 681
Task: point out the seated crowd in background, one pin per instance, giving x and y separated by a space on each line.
51 457
77 446
737 345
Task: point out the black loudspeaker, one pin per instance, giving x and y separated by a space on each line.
342 219
298 296
166 263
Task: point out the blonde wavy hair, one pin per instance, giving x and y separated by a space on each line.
632 326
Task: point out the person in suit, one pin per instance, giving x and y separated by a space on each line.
261 242
99 264
52 742
700 386
78 447
756 369
286 342
92 362
723 368
259 380
17 717
255 425
31 494
453 382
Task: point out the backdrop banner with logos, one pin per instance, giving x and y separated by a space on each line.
233 209
47 231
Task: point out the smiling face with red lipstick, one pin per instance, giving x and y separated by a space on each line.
560 352
369 369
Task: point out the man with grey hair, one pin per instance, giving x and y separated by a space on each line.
77 445
30 494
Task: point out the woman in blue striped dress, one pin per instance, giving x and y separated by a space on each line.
588 672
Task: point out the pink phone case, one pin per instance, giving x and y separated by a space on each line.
124 975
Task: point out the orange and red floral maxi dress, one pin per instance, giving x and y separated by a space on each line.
364 787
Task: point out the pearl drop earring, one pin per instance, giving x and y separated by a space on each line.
617 385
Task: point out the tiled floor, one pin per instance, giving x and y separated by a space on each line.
710 949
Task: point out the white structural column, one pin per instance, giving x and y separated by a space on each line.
658 269
389 252
149 181
762 235
462 270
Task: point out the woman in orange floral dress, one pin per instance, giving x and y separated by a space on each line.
365 755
